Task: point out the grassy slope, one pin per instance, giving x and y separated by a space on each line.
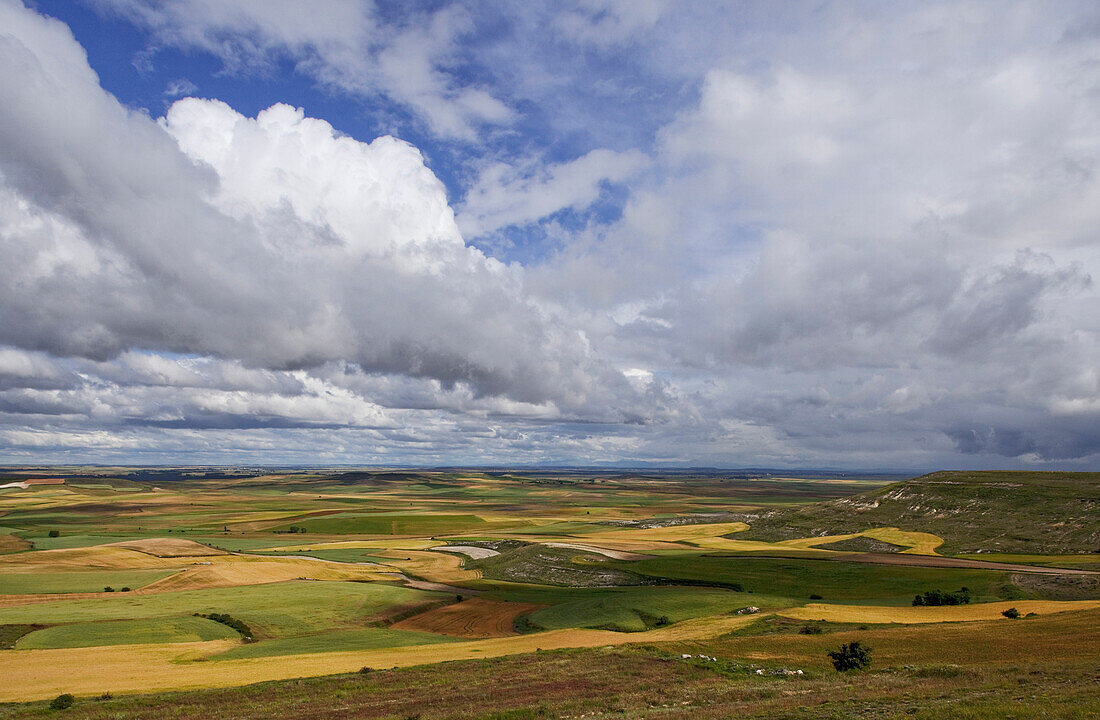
636 609
1005 512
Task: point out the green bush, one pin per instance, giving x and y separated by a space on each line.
108 589
851 656
810 630
55 533
1012 613
62 702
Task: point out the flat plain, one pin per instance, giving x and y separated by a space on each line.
708 594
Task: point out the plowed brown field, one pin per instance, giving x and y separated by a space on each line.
473 618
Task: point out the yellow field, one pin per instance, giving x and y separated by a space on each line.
154 668
913 615
433 566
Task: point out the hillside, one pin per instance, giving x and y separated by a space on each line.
1006 512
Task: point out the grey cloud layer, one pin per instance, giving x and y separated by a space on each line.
872 244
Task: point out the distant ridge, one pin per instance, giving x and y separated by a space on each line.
985 511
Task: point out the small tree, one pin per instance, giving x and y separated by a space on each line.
851 656
1011 613
55 533
108 589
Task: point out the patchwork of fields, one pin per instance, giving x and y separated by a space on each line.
121 586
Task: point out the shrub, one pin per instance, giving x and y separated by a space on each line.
62 702
55 533
850 656
810 630
1012 613
126 589
108 589
815 596
229 620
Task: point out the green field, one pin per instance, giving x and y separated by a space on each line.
273 610
77 582
337 641
636 609
126 632
834 581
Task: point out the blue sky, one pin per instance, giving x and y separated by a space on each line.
647 232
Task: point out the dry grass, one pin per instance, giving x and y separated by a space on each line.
912 615
473 618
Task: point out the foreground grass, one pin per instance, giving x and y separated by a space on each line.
639 683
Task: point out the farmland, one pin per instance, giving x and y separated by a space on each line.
109 581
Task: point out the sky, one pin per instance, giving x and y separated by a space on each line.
629 232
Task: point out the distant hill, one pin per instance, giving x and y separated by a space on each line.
1008 512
